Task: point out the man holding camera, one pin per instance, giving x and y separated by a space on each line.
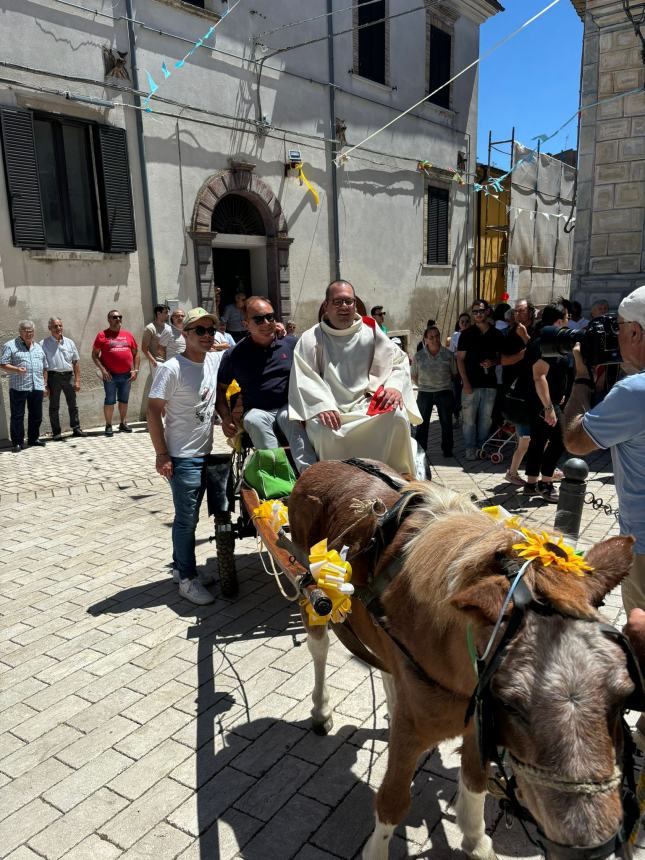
617 423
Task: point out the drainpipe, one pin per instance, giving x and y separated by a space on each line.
142 154
334 147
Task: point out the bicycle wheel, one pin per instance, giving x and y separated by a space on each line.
225 546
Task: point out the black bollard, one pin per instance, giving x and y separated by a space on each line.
572 497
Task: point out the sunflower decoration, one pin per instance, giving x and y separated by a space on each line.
547 551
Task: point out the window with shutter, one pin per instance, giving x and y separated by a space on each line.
371 41
198 3
116 192
437 236
68 182
440 64
21 174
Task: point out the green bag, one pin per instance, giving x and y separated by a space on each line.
269 473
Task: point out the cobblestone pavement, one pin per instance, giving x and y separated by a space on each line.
136 725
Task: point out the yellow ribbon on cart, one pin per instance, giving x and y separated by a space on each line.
273 510
333 574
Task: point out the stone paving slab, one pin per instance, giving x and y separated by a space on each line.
135 725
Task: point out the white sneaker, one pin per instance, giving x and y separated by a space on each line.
203 576
194 591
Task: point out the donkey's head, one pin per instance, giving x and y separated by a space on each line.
558 693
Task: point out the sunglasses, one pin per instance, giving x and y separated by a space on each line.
260 318
116 317
478 311
379 313
201 330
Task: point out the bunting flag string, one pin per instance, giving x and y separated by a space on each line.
153 86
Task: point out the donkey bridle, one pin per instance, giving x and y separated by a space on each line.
480 709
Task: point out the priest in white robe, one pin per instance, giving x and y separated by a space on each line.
338 366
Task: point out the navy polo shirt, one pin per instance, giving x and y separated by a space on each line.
262 372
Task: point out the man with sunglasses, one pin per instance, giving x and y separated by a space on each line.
261 364
352 387
618 423
116 355
379 315
183 392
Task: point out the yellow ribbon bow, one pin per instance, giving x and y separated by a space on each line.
501 515
332 573
273 510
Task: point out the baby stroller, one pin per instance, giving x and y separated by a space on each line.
494 446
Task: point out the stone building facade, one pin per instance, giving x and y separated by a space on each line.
199 192
609 251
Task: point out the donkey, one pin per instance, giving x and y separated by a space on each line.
557 696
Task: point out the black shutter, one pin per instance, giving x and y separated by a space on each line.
371 41
116 192
438 204
21 172
199 3
440 49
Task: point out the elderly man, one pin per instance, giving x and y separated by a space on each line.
261 364
599 308
63 375
339 366
26 364
116 354
617 423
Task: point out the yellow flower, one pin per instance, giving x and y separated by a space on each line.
548 551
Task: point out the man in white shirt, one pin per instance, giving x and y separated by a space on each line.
184 390
64 376
172 339
152 335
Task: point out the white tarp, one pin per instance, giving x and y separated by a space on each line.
540 204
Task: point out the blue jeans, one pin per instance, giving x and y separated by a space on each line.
188 484
477 412
117 388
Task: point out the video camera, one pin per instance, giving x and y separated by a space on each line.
598 342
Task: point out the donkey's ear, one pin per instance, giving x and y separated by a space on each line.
484 599
611 561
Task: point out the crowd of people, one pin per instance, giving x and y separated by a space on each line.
343 389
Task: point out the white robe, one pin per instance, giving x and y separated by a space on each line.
339 370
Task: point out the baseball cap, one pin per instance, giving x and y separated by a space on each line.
198 314
632 307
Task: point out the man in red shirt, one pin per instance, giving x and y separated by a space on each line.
116 355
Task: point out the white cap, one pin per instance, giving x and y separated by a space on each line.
632 307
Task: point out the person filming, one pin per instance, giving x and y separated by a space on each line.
618 423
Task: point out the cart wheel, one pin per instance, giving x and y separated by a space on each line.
496 458
225 544
482 454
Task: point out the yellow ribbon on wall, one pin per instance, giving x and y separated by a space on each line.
310 187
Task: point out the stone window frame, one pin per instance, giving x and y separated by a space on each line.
444 18
355 32
210 14
437 178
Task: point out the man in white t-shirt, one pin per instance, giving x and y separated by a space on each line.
184 392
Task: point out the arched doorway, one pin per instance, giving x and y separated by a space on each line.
240 239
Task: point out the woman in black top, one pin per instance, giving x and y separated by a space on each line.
549 377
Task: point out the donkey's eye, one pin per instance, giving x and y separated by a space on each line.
513 712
